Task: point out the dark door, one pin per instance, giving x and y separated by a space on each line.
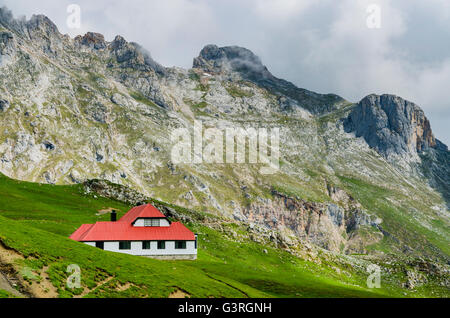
100 245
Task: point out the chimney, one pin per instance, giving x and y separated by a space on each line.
113 216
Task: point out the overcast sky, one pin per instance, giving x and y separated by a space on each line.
322 45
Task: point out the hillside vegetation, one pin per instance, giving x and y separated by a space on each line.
36 219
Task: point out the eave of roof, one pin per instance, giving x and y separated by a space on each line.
82 230
122 231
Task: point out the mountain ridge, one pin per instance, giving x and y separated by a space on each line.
84 108
243 61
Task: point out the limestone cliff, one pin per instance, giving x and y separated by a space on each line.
392 125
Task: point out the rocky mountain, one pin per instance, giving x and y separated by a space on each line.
399 129
392 125
234 60
86 108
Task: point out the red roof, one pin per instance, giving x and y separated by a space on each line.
80 231
123 230
142 211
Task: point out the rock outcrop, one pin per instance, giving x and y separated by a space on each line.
391 125
4 105
7 47
114 191
232 59
92 40
132 55
326 225
400 132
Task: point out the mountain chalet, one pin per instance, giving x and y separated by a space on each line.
142 231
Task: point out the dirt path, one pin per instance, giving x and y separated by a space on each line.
45 288
104 211
229 285
87 290
11 280
8 256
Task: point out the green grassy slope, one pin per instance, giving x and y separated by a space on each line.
5 294
36 220
400 221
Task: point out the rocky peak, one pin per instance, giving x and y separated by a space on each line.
118 43
6 17
132 55
92 40
39 29
231 58
6 41
244 62
42 23
391 125
7 47
36 25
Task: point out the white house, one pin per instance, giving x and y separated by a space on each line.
143 231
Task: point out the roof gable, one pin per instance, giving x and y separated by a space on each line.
81 231
142 211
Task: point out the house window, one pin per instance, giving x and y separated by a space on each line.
161 245
179 245
151 222
125 245
146 245
100 245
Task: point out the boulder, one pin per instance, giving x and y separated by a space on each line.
4 105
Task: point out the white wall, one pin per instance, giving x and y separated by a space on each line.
136 248
162 222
